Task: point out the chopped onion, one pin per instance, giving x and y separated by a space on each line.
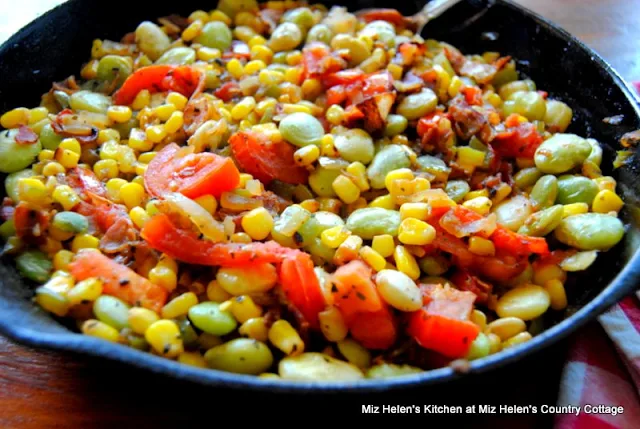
198 215
579 261
483 227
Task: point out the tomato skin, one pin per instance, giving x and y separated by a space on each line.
449 337
227 91
317 61
384 14
354 291
266 160
376 330
301 286
158 78
522 141
192 174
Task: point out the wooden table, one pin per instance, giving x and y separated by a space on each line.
41 389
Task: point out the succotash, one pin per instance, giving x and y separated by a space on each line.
294 192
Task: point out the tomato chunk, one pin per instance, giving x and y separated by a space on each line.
354 290
375 330
118 280
175 169
518 142
158 78
301 286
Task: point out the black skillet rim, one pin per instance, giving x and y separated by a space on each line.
619 287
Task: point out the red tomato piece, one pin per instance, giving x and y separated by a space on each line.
375 330
159 78
519 142
354 290
301 285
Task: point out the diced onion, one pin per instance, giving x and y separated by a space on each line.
198 215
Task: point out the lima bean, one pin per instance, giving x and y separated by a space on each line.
320 33
529 104
389 370
358 50
480 347
48 138
314 367
285 37
112 67
151 40
301 16
12 180
321 179
417 105
544 192
434 166
90 101
543 222
527 177
512 87
208 317
13 156
178 56
457 189
70 222
301 129
576 189
317 223
34 265
355 145
112 311
240 356
513 212
396 124
380 30
590 231
561 153
215 34
389 158
371 221
557 116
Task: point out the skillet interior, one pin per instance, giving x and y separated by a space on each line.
55 46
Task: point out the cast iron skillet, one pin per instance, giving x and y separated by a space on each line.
56 44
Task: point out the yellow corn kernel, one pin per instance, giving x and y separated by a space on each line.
284 337
52 301
295 108
262 53
164 338
358 174
383 244
119 114
254 66
495 343
557 294
416 232
270 77
139 216
332 205
132 195
207 54
606 182
163 276
406 263
192 31
33 191
179 306
479 318
146 157
606 201
192 359
385 202
348 250
62 259
51 246
373 258
96 328
37 114
215 292
110 149
218 15
164 111
258 223
522 337
67 158
400 139
543 273
240 237
469 156
332 324
243 108
53 169
454 86
334 114
256 41
113 188
481 246
243 308
155 133
85 291
306 155
14 118
418 211
346 190
152 207
395 70
294 58
177 99
501 193
46 155
327 147
574 209
174 123
506 327
208 202
311 89
106 169
292 75
475 194
310 205
333 237
480 205
401 173
108 134
199 15
255 328
84 241
234 67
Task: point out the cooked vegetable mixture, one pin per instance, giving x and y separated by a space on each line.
303 193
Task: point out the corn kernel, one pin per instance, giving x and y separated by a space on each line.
348 250
310 205
192 359
98 329
53 169
294 58
119 114
243 308
87 290
385 202
234 67
258 223
254 66
292 75
240 237
255 328
177 99
574 209
262 53
327 147
332 205
62 259
543 273
284 337
84 241
147 157
37 114
113 189
346 190
395 70
163 276
479 318
243 108
33 191
475 194
256 41
164 337
416 232
179 306
480 205
418 211
141 318
139 216
108 134
164 111
71 144
383 244
67 158
216 293
406 263
192 31
501 193
373 258
306 155
606 182
333 237
46 155
155 133
14 118
454 86
270 77
142 100
401 173
199 15
110 150
606 201
174 123
332 324
358 174
105 169
218 15
481 246
311 89
557 294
